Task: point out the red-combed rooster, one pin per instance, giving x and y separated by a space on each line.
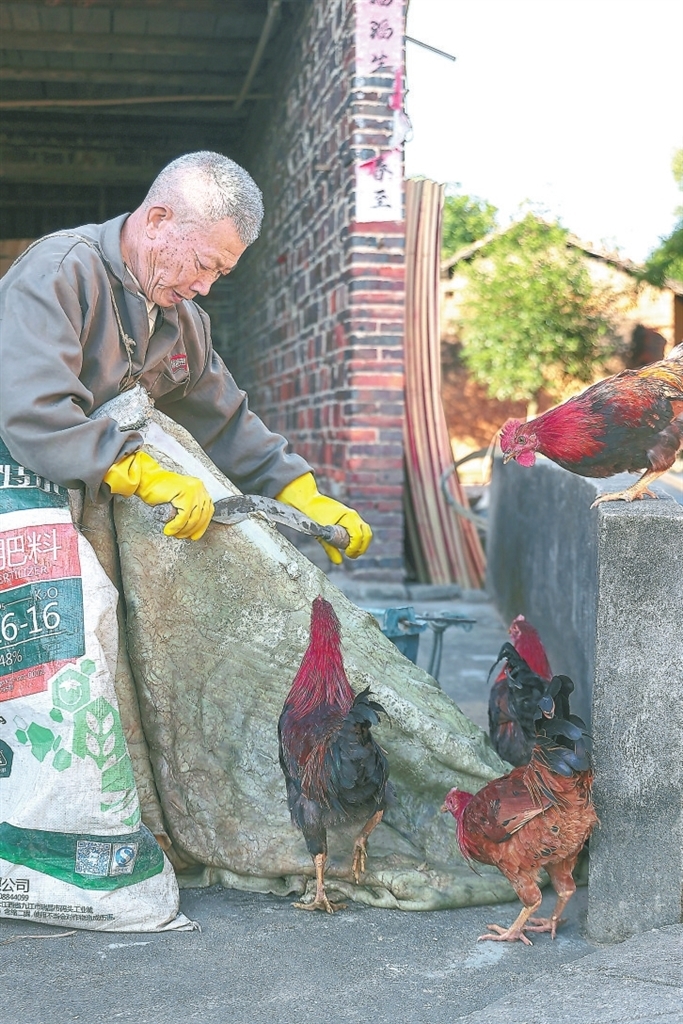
630 422
512 710
538 816
333 768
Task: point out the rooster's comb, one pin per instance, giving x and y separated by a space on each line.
507 433
522 625
323 617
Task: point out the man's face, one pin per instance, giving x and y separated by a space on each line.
183 260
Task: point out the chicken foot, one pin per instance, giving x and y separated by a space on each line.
633 493
515 931
321 902
360 847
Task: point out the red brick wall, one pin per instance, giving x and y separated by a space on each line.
315 332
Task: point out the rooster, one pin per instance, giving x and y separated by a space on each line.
630 422
334 770
538 816
512 707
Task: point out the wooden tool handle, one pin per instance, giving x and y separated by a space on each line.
166 512
337 536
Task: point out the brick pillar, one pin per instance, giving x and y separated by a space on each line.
316 336
375 407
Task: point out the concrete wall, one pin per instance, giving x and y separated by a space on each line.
604 587
542 563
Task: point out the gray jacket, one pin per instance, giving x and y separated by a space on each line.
63 354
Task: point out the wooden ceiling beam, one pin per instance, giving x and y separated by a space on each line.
173 118
88 167
215 81
132 101
48 174
126 141
229 48
245 8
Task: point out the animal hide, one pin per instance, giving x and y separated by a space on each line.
216 630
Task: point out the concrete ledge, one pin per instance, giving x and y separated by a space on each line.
605 589
362 591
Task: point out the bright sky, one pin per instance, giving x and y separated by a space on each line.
575 105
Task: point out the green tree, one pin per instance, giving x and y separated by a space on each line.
466 219
667 259
532 317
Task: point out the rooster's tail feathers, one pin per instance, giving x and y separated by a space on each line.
363 700
676 354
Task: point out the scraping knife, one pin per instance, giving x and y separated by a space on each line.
229 511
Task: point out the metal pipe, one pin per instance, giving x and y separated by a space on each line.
273 8
426 46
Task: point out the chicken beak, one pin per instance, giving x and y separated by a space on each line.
507 457
547 706
443 808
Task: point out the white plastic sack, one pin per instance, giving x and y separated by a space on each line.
73 850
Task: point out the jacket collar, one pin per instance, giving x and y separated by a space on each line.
110 243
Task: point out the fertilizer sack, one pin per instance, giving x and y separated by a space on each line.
73 850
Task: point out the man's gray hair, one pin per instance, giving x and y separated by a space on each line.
206 187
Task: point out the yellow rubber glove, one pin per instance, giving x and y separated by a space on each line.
303 494
140 474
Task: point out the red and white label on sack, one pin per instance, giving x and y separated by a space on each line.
41 606
33 553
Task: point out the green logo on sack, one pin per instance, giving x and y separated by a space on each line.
71 687
6 758
97 734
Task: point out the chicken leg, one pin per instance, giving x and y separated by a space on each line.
360 847
321 901
564 885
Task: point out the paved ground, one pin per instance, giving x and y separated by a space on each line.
259 961
467 656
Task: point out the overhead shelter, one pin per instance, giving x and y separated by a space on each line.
98 95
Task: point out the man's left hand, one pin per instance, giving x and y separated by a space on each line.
303 494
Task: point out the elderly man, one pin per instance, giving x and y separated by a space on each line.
87 313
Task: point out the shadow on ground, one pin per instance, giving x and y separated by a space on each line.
259 960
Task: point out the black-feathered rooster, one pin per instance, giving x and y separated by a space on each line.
334 770
513 698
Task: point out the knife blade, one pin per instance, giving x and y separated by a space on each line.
237 508
229 511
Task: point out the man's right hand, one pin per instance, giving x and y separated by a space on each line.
140 474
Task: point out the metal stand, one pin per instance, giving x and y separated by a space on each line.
403 627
